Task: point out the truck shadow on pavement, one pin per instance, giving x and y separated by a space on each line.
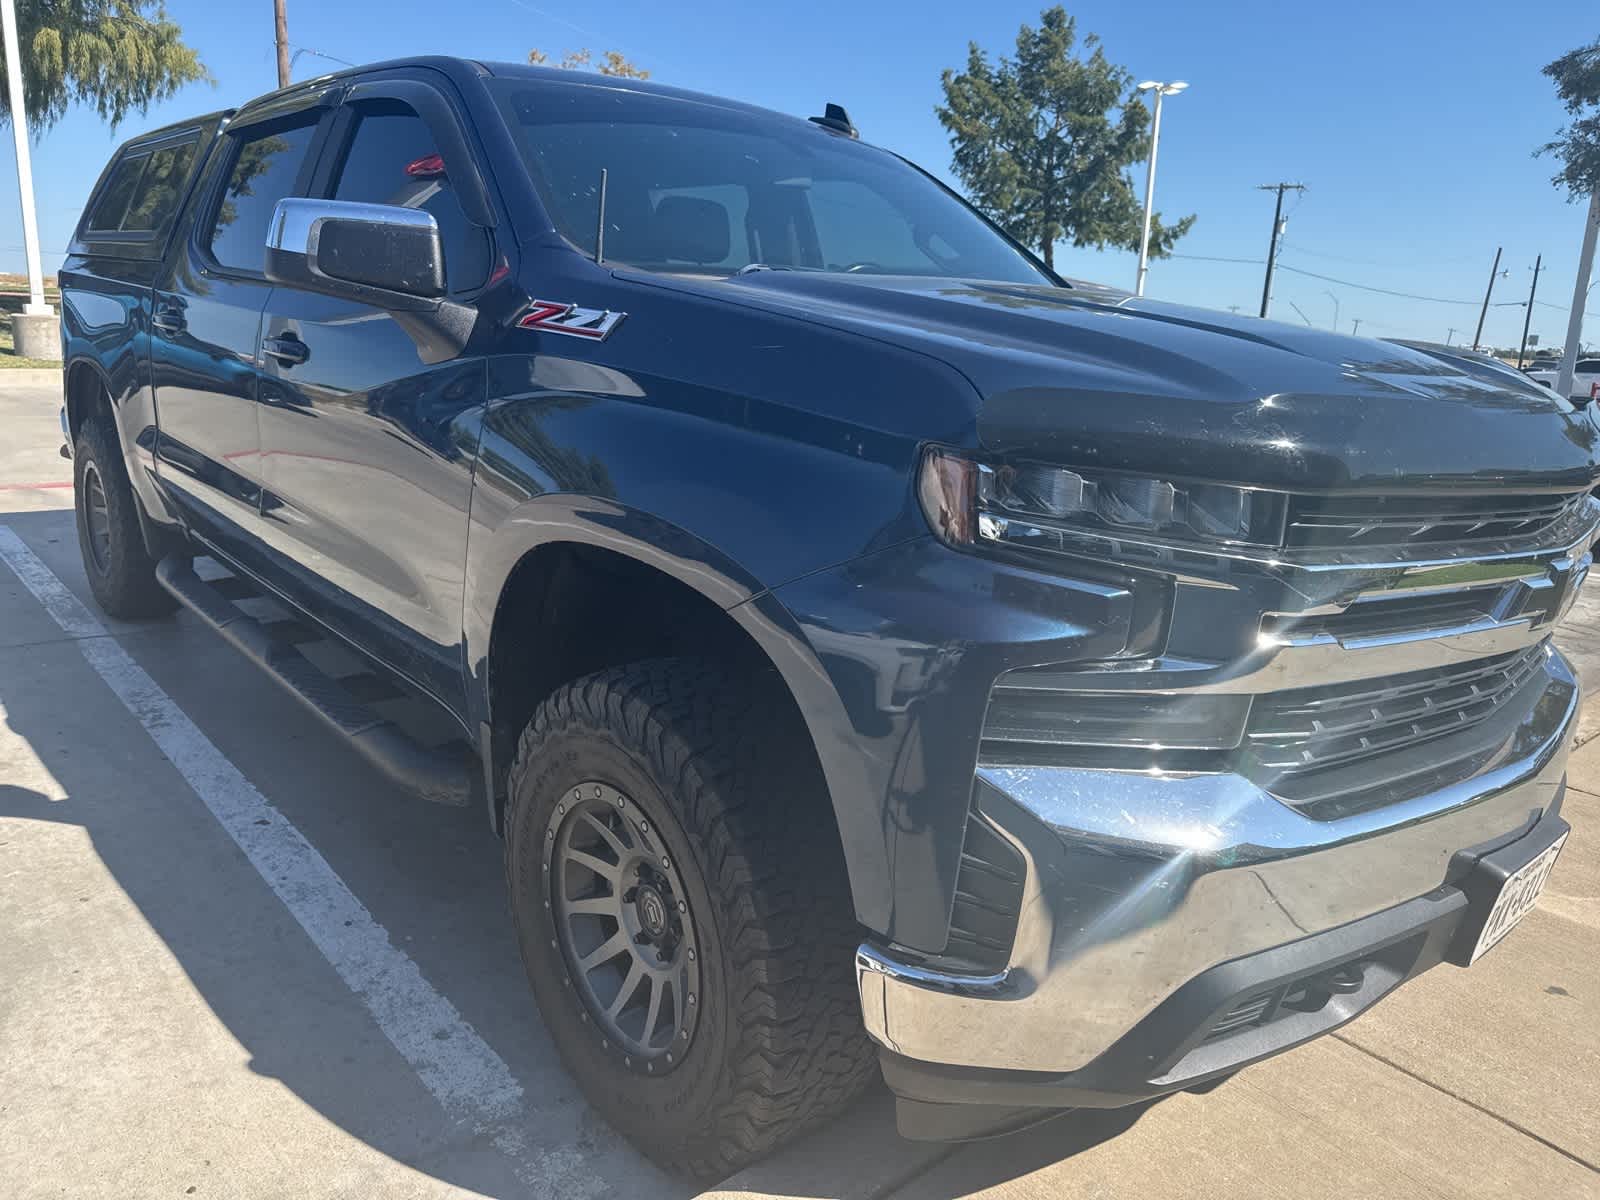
431 876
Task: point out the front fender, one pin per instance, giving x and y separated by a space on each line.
494 553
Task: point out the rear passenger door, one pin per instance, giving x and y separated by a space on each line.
206 317
367 447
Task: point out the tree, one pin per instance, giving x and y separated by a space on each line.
612 63
1041 147
1577 78
118 56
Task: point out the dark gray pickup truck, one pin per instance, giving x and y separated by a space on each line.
874 649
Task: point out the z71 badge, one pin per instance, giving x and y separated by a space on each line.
594 323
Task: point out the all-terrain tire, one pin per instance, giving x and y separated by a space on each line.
779 1042
122 575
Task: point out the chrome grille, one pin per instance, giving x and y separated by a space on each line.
1348 521
1312 728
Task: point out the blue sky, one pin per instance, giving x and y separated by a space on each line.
1411 123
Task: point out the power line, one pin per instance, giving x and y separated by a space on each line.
1369 288
1254 262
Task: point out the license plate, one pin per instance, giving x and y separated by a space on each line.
1518 895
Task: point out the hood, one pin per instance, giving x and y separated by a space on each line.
1089 376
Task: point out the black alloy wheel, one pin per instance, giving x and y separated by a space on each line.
624 927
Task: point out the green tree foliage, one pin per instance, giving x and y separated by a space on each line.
117 56
1577 79
611 63
1043 142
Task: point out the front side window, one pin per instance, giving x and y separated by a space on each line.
265 167
700 188
392 159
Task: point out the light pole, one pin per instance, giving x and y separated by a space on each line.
35 332
1335 300
1161 90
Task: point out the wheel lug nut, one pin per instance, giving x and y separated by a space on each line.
666 862
597 791
644 826
560 808
669 1056
691 1001
691 959
682 907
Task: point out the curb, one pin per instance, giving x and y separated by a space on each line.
29 376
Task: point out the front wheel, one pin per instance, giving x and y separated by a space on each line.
683 913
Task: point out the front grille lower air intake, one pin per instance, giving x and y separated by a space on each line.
989 883
1312 728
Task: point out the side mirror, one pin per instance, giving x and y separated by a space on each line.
378 254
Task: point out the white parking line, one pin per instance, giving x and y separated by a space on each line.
470 1081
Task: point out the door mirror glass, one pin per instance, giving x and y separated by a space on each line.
379 254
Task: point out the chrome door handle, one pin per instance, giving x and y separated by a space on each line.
168 321
289 351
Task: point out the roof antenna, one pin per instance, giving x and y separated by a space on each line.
600 223
835 118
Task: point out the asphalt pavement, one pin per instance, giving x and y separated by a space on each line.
234 962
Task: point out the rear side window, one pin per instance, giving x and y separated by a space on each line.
144 189
265 168
160 189
113 202
393 160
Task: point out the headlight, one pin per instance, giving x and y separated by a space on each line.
971 503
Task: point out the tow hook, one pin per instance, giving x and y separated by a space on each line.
1313 994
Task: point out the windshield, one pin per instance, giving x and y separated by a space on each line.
693 187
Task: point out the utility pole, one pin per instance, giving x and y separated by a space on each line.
34 333
1528 317
1487 292
1355 326
281 36
1277 231
1580 297
1449 333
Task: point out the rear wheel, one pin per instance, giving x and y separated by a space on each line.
122 575
683 913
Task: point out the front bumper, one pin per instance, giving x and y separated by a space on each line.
1155 904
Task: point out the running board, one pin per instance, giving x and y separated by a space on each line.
442 774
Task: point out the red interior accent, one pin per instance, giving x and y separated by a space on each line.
429 166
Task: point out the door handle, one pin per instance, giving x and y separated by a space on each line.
168 321
289 350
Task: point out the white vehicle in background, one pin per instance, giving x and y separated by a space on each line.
1585 379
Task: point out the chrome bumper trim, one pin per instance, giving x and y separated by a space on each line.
1137 882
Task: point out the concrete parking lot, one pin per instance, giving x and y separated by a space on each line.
233 962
